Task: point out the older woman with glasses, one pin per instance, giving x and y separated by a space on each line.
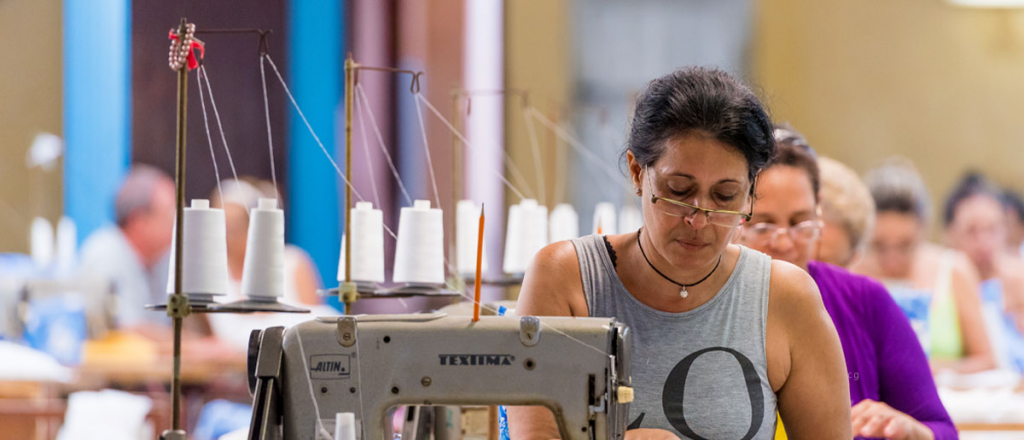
723 336
891 388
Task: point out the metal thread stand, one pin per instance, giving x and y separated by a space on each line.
177 304
348 292
459 120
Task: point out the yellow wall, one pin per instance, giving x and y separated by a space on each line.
867 79
537 59
30 103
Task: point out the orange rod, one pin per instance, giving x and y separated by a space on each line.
479 266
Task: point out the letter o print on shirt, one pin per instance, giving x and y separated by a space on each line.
675 385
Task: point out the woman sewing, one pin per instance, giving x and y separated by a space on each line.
723 336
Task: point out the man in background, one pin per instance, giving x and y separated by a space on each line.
133 254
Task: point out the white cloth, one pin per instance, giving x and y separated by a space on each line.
107 254
31 365
107 415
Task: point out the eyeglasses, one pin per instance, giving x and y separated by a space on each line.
676 208
768 232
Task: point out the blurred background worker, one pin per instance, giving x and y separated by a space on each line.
975 224
936 287
847 214
301 278
133 253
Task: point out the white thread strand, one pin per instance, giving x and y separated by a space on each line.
358 113
270 138
568 336
535 146
561 163
514 170
465 141
220 127
359 377
312 395
575 144
365 102
310 127
426 150
209 139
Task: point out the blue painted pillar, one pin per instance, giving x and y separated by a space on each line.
97 108
316 77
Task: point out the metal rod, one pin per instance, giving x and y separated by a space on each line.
179 180
414 86
235 31
350 66
347 291
457 192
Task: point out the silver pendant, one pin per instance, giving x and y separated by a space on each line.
683 293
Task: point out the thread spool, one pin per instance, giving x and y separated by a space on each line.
263 271
467 231
67 238
345 425
67 244
419 255
630 218
564 224
204 271
526 234
604 219
41 242
367 245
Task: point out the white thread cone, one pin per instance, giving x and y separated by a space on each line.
67 239
263 271
467 232
526 234
419 255
204 252
67 244
367 245
630 218
345 426
604 219
564 223
41 242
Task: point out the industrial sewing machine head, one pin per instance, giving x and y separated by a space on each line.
369 364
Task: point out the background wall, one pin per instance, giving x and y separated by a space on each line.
30 84
538 60
863 80
234 68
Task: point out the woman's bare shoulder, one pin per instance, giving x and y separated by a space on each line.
791 285
552 284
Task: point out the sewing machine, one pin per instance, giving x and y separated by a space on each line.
370 364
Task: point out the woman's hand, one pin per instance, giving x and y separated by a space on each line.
876 419
650 434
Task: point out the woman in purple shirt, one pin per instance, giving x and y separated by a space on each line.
891 386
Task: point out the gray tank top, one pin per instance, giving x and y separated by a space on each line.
701 374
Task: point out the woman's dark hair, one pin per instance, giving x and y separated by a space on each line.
699 99
972 184
792 150
1013 203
